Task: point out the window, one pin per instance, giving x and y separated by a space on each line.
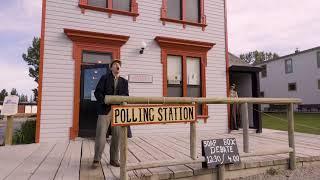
184 64
318 83
98 3
174 10
292 87
288 66
194 79
96 58
261 94
123 7
264 71
174 76
318 59
186 12
192 10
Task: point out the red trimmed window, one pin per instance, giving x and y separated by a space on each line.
184 68
123 7
185 12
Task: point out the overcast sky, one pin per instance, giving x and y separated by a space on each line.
267 25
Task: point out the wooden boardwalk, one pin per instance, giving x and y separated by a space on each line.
72 160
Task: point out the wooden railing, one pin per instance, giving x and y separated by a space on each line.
124 100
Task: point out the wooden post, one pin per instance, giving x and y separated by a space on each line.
193 140
123 151
221 170
245 126
9 130
292 155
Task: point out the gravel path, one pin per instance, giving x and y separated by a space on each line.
302 173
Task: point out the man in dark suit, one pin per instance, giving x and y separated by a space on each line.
109 84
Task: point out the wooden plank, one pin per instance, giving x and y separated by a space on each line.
156 153
198 170
30 164
110 172
181 171
86 170
170 152
300 140
133 159
13 156
50 165
155 164
153 141
178 150
188 100
142 156
183 142
173 151
70 165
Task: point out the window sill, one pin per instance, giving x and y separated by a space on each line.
204 117
184 23
109 11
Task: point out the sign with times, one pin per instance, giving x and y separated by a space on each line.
220 151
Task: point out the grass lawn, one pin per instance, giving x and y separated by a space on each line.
304 122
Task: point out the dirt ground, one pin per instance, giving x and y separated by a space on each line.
304 173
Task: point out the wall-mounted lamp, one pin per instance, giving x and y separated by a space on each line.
143 46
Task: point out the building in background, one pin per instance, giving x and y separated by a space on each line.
246 78
295 75
24 107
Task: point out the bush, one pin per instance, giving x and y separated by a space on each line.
26 134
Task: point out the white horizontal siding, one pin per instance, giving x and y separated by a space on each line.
305 74
58 66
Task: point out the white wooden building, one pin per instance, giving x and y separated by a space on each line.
185 46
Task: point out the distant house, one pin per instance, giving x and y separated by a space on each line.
24 107
295 75
246 78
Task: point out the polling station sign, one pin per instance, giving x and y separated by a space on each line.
152 114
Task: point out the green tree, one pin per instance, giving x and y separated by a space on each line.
23 98
3 94
255 57
32 58
14 92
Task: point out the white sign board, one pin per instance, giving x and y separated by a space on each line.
10 105
140 78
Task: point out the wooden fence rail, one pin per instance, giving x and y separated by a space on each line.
124 100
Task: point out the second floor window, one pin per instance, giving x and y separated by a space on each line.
264 71
188 10
318 83
292 87
98 3
123 5
288 66
318 59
